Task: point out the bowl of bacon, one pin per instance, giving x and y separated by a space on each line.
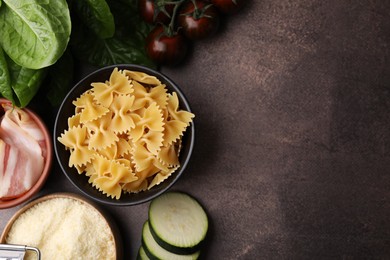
124 134
25 154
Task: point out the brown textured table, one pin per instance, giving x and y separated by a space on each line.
292 156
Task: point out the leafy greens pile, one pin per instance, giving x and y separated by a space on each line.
39 40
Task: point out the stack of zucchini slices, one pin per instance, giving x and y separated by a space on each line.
176 228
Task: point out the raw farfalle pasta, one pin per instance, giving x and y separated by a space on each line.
168 154
125 135
145 97
110 175
118 84
150 120
75 140
175 120
101 134
122 117
74 120
89 110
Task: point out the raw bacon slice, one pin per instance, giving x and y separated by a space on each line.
24 120
21 153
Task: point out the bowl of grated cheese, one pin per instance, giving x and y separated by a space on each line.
64 226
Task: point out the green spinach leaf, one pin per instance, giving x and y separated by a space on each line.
103 52
5 80
128 22
34 33
96 15
59 79
126 46
25 82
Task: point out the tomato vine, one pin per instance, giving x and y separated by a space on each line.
180 22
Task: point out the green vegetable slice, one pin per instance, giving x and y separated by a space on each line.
34 33
96 15
5 80
154 251
178 222
141 254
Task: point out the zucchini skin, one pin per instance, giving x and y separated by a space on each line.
175 249
153 257
142 254
147 251
150 255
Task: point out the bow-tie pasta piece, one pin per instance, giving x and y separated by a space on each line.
142 77
143 159
74 120
112 176
74 139
118 84
124 147
90 109
144 96
101 135
175 120
122 119
153 141
142 183
169 155
151 120
161 176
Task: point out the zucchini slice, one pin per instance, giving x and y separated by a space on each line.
178 222
155 251
141 254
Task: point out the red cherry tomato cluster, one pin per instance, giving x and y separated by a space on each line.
179 22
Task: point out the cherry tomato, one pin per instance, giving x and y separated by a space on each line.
166 49
153 15
228 6
198 20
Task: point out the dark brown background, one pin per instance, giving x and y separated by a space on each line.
292 156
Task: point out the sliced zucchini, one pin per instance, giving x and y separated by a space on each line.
155 251
141 254
178 222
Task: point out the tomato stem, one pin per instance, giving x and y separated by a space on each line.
171 27
198 13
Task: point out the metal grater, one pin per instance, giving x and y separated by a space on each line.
16 252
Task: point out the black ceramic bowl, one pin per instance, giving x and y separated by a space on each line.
67 110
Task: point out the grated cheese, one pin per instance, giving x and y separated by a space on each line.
64 228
